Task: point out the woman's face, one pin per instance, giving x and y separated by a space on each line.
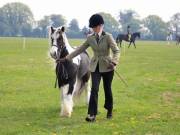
97 28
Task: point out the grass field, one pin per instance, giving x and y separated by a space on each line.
29 104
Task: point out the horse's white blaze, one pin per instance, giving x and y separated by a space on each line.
55 37
66 102
53 51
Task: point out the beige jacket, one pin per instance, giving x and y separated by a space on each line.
101 51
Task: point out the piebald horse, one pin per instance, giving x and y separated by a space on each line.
72 75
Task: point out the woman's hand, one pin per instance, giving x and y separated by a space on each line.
61 60
111 65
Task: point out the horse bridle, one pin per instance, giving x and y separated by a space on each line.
59 49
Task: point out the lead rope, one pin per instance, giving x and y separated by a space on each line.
64 71
55 85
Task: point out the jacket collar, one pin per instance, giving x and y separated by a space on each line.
101 37
100 34
103 33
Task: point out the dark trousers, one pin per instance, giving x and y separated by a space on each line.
107 81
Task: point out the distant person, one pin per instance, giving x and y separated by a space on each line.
128 32
169 37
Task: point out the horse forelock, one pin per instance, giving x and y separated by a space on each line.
57 38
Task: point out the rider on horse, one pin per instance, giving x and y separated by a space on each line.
128 33
170 33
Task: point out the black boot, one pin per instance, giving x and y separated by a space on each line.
91 118
109 114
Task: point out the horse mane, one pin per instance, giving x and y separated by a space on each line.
136 33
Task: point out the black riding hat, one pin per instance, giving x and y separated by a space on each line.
95 20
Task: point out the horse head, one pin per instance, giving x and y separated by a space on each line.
57 40
117 39
137 34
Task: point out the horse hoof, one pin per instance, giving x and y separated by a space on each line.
67 115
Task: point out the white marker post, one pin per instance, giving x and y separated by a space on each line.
124 48
24 43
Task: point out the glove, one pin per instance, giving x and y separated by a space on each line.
111 65
61 60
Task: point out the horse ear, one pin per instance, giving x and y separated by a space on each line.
52 30
63 29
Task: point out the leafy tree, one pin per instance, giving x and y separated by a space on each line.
74 25
37 32
174 23
85 31
57 20
157 27
74 30
129 17
110 23
16 19
42 26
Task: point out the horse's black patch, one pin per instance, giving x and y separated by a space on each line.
66 72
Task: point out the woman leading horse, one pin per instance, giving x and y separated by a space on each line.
102 65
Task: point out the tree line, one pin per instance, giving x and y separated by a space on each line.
16 19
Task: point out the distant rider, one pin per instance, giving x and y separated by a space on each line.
128 33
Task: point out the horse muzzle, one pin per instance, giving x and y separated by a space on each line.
54 52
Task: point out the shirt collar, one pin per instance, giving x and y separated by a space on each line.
100 32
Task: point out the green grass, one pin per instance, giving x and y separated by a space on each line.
29 105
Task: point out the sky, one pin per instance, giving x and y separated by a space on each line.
83 9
